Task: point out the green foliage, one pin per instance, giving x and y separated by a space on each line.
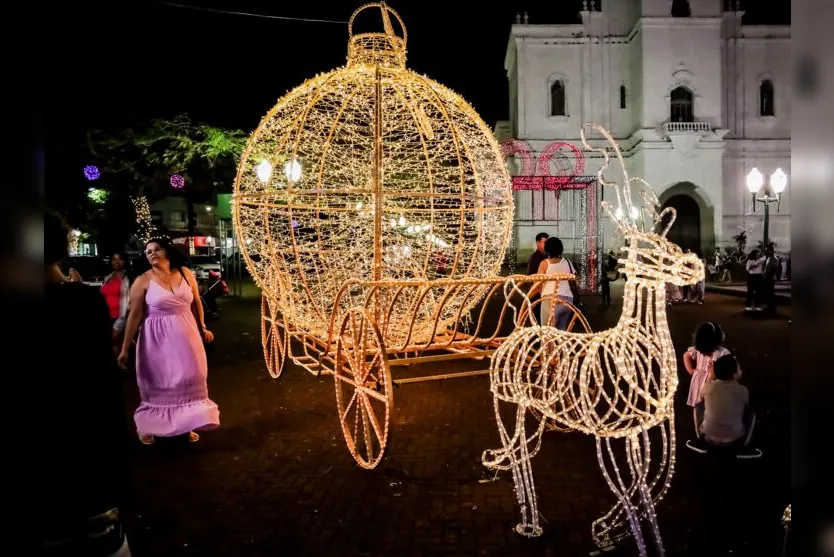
741 241
139 160
145 156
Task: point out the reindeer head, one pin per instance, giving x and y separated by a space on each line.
649 255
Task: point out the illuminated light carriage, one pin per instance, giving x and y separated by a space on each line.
380 243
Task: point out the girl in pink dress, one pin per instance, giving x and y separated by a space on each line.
171 367
698 359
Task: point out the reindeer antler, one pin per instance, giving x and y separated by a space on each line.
511 287
625 222
651 202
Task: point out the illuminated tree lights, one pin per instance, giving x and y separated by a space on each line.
143 218
616 385
97 195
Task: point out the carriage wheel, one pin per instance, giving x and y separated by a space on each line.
274 339
364 392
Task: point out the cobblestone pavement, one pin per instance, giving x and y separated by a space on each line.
276 478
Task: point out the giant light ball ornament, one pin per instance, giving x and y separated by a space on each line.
369 172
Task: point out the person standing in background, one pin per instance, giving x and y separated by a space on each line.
533 263
698 291
564 290
116 291
755 271
769 277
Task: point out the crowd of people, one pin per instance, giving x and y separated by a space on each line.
160 313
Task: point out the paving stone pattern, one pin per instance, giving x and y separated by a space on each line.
276 478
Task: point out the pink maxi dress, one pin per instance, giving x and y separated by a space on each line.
171 367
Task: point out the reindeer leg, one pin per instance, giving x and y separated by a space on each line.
640 455
515 456
523 476
624 494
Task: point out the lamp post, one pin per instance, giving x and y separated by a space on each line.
778 182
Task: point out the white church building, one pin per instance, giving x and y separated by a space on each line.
694 98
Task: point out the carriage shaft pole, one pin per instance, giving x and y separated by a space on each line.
440 377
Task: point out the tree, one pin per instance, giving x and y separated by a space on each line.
139 161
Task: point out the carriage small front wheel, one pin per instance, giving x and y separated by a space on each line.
364 391
274 338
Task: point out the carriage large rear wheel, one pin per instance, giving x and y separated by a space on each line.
364 390
274 338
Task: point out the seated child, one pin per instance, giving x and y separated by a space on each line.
728 419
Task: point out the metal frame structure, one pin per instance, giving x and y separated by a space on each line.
366 342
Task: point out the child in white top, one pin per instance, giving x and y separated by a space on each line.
698 360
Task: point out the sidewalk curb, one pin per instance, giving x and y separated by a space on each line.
741 293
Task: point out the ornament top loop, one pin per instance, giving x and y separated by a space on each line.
386 48
386 21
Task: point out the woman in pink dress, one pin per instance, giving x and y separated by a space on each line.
171 367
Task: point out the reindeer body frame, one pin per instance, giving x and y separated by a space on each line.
615 384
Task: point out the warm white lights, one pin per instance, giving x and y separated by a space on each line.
264 171
778 181
292 170
755 180
396 203
616 385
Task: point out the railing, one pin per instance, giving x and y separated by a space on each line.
692 127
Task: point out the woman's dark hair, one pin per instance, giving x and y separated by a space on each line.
177 259
55 238
725 367
123 254
553 247
708 337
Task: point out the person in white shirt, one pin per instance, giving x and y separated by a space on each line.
567 290
755 276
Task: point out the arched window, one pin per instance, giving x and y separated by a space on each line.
766 98
680 8
622 96
681 105
557 98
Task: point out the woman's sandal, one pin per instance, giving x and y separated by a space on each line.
146 439
193 437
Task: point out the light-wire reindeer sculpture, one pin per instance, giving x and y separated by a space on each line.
616 384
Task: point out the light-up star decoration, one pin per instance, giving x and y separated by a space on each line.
177 182
91 172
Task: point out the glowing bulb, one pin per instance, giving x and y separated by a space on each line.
619 213
393 223
402 221
292 170
754 180
264 171
359 206
635 212
778 181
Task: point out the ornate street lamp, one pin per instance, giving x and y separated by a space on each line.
778 182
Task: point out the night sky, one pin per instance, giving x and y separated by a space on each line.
124 61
